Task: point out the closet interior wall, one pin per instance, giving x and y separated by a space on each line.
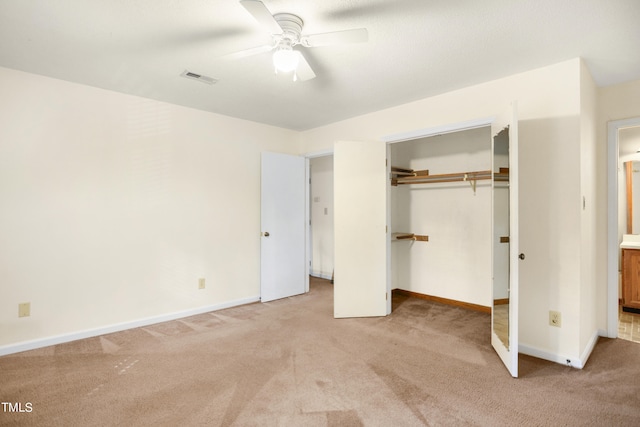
455 263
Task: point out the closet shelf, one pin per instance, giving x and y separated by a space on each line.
410 236
400 176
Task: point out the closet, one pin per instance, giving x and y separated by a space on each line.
451 233
441 216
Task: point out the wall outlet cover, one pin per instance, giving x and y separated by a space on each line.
555 318
24 309
201 283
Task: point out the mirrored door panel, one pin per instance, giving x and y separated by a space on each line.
505 247
501 236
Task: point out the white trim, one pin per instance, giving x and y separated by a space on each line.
438 130
320 275
321 153
589 348
613 128
552 357
388 230
559 358
307 222
90 333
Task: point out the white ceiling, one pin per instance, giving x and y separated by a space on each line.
416 49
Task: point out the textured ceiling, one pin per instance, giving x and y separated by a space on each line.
416 48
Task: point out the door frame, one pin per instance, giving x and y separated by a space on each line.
613 154
439 130
307 220
425 133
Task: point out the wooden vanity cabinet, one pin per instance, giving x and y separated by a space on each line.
631 280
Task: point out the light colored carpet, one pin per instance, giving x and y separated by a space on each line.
289 363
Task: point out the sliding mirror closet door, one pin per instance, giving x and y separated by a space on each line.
504 317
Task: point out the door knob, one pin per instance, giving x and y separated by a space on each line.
265 234
521 256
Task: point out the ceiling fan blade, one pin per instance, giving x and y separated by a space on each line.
304 71
357 35
261 14
248 52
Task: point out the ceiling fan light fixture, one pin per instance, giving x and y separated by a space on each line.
285 59
286 33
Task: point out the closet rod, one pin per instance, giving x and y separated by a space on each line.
447 177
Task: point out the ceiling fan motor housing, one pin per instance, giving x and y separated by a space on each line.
291 26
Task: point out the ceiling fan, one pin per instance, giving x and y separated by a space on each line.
286 32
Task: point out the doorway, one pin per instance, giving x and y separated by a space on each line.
504 152
321 216
433 209
624 162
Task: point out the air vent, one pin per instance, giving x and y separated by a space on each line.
198 77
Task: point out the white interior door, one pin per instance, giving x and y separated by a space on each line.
504 331
361 283
282 248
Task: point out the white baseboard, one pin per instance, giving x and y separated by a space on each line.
574 362
320 275
552 357
605 334
589 348
90 333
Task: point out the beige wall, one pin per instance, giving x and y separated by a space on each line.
113 206
534 90
549 105
619 102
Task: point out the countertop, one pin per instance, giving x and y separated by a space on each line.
630 241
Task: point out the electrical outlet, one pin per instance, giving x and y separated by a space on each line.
555 319
201 284
24 309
